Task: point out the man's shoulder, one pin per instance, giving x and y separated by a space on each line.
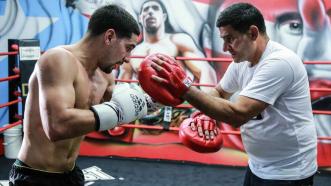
180 36
183 40
277 47
57 57
141 48
282 53
56 53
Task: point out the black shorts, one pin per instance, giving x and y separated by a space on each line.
22 174
252 180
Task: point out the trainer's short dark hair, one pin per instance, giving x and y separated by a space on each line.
241 16
115 17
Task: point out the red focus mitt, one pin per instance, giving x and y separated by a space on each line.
201 133
153 88
171 75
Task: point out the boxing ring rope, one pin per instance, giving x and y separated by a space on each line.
8 126
10 103
143 126
8 53
9 78
187 106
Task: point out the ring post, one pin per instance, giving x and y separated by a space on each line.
13 84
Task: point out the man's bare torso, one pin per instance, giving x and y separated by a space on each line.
37 150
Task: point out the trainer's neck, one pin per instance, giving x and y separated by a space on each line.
261 45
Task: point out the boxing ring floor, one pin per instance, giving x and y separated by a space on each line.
143 172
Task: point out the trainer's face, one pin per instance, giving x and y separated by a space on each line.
282 19
119 51
152 16
239 45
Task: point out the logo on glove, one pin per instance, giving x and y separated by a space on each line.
139 104
187 82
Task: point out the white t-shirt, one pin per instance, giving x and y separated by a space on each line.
281 142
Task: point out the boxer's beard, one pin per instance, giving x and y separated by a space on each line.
107 70
151 30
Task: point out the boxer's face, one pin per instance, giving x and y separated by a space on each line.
239 45
152 16
119 50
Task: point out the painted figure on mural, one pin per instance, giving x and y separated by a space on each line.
159 36
315 45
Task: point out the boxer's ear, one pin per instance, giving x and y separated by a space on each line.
109 35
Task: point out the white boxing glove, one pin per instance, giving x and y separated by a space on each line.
152 105
126 105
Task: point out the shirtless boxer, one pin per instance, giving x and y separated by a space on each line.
65 91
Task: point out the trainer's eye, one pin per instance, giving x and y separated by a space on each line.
228 40
129 48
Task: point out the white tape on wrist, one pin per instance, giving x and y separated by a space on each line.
107 115
187 82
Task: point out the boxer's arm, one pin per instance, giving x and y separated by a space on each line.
57 73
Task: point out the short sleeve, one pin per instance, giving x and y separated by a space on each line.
270 80
229 81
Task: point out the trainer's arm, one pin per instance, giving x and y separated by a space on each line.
234 113
56 72
219 92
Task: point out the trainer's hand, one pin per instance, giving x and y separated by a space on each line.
157 89
126 105
201 133
170 74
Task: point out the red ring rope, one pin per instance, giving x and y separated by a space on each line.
8 126
9 78
10 103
